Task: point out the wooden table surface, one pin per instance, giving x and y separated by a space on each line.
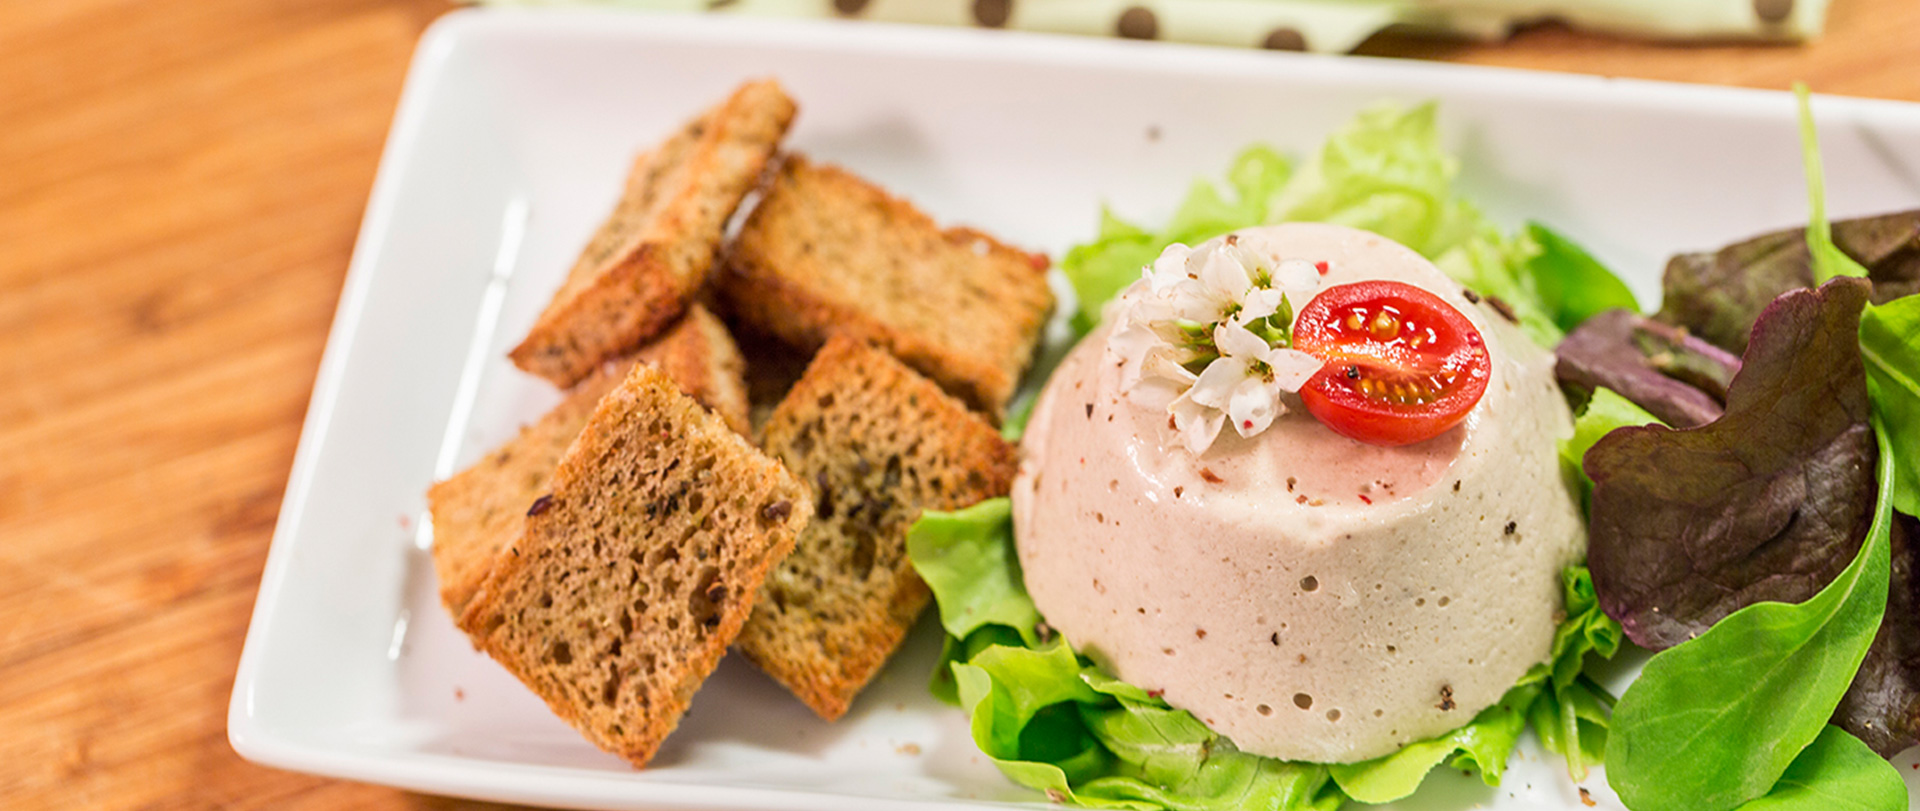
180 184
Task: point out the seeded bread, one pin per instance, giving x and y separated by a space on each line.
878 443
828 253
653 254
480 510
640 567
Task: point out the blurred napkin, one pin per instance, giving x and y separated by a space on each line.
1292 25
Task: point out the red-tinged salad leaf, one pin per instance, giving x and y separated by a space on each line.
1882 708
1663 369
1767 503
1718 295
1718 721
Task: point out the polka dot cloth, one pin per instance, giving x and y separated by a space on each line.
1290 25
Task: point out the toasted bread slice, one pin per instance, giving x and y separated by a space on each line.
700 355
878 443
654 252
827 253
640 567
480 510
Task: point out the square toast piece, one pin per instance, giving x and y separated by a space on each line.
480 510
878 444
636 572
828 253
646 262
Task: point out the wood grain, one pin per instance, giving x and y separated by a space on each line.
180 185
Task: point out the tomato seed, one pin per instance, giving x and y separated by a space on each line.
1385 326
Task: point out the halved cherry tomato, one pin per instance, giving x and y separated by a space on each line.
1401 364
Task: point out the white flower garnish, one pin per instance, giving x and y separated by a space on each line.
1206 335
1247 378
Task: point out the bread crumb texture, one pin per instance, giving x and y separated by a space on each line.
641 566
877 443
827 253
482 509
654 252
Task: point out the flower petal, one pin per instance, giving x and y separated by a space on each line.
1168 362
1296 274
1216 382
1223 274
1196 424
1155 393
1189 300
1292 368
1236 341
1123 307
1156 379
1252 260
1254 405
1129 346
1260 303
1171 267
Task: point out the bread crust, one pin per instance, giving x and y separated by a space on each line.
653 254
877 443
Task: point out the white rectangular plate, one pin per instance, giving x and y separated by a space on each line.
510 143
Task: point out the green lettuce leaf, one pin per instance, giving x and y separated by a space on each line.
1835 773
1573 722
1053 722
1384 172
1572 285
1100 269
1890 347
1828 260
1586 629
1572 716
1483 743
1604 411
968 558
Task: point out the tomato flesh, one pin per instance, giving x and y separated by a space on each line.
1400 364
